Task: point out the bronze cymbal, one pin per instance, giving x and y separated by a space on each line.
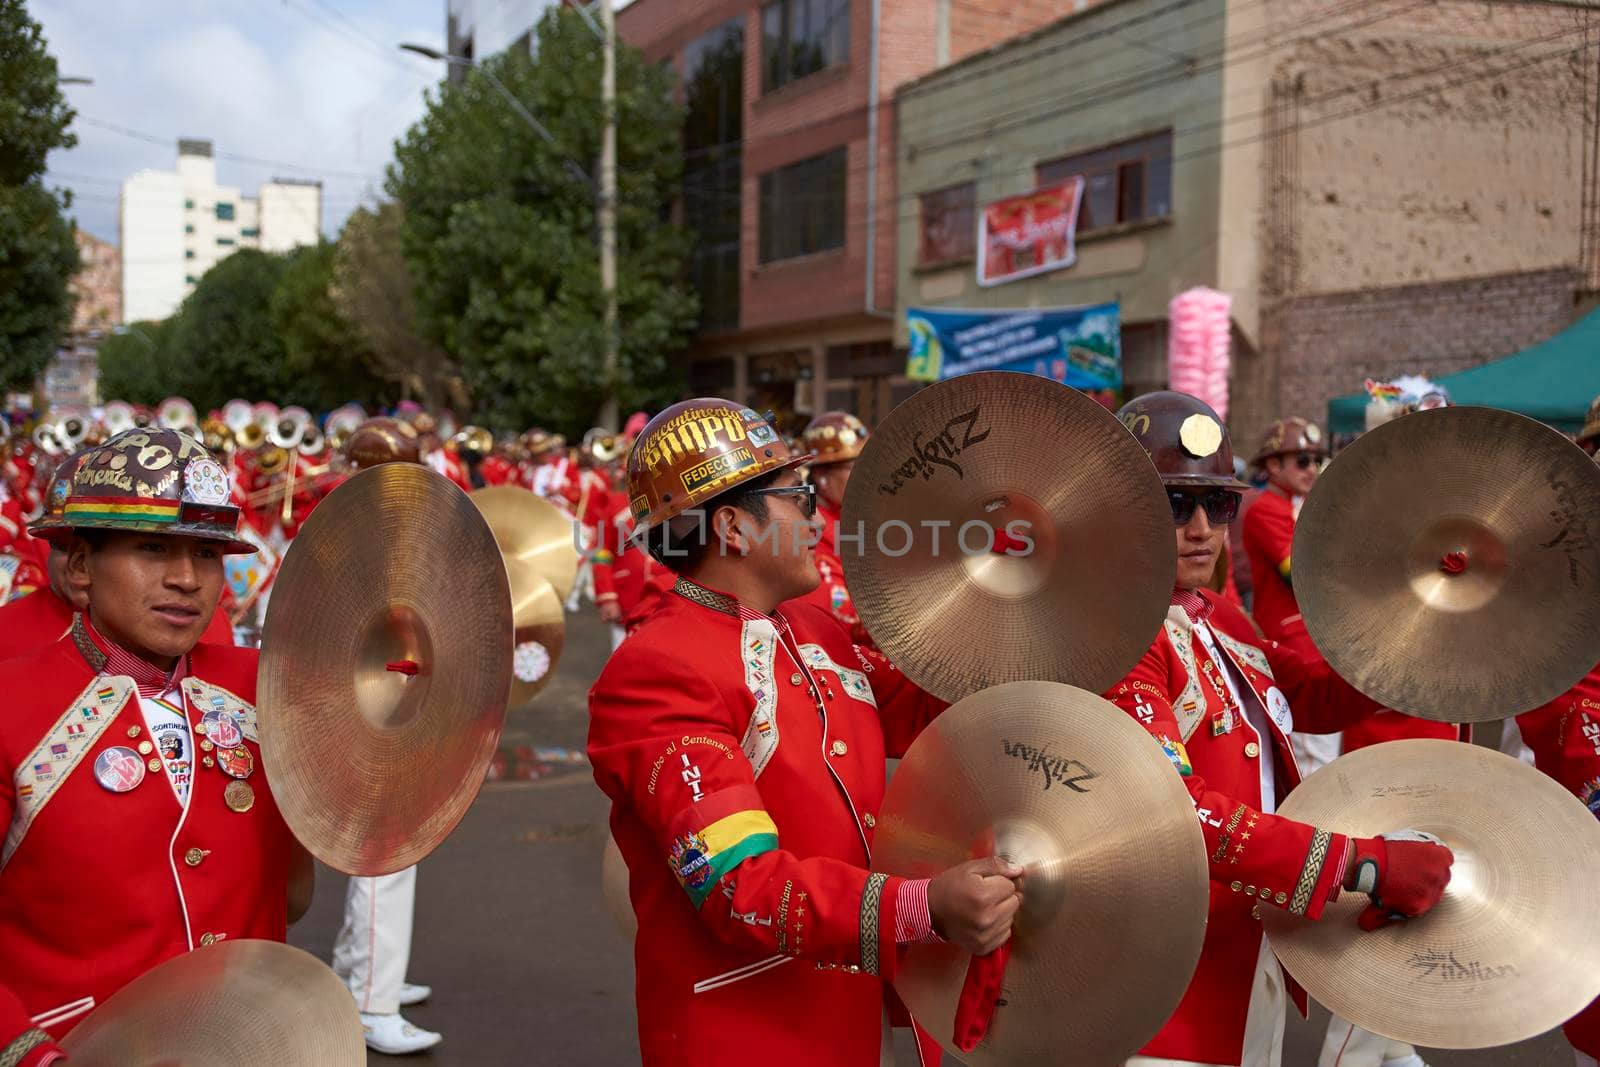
533 531
1510 952
1115 893
614 885
539 631
1081 606
386 662
241 1003
1448 564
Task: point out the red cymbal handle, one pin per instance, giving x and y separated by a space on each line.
403 666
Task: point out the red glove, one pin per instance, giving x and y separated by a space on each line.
1404 873
980 996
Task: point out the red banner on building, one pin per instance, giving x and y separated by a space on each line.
1029 234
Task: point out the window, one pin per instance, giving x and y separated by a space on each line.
224 211
188 205
713 135
1123 183
188 253
803 207
249 231
949 228
224 240
800 37
188 227
190 278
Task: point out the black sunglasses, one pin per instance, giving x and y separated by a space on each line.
1222 505
1304 460
807 491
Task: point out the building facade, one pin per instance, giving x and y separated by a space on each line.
175 225
790 182
70 382
1398 187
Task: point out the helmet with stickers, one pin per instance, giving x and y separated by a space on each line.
145 480
695 450
1291 435
835 436
1184 439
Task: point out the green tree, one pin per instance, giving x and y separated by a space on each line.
224 341
326 360
37 253
136 364
501 237
374 291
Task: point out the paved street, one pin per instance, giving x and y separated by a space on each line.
526 965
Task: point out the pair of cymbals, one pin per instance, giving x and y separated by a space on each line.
233 1004
1448 564
386 661
536 540
1512 950
1001 527
1115 892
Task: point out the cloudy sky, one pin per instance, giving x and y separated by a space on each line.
317 88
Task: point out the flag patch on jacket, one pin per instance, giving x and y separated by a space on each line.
699 858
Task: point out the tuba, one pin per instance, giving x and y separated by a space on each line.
176 413
45 440
602 444
312 442
238 414
71 431
217 436
118 417
288 430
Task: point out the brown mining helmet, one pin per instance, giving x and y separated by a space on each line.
1184 439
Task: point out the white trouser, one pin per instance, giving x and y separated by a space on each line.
1347 1045
374 945
617 634
1511 742
1263 1024
1315 751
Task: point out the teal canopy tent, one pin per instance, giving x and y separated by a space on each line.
1553 381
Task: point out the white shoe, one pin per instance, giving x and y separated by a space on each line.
411 993
392 1035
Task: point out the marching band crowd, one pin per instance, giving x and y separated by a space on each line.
131 540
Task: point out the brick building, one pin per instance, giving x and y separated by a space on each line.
72 378
1400 186
790 182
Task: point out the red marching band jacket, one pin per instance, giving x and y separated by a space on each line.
1174 692
624 572
97 887
744 758
1565 738
1269 541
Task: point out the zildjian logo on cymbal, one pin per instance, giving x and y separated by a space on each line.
938 452
1054 768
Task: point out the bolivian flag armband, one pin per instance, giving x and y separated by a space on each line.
717 834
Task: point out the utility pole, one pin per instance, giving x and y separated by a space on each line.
608 210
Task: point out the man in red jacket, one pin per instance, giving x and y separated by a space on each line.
1290 454
629 583
1565 738
44 616
1217 700
742 746
835 438
138 824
